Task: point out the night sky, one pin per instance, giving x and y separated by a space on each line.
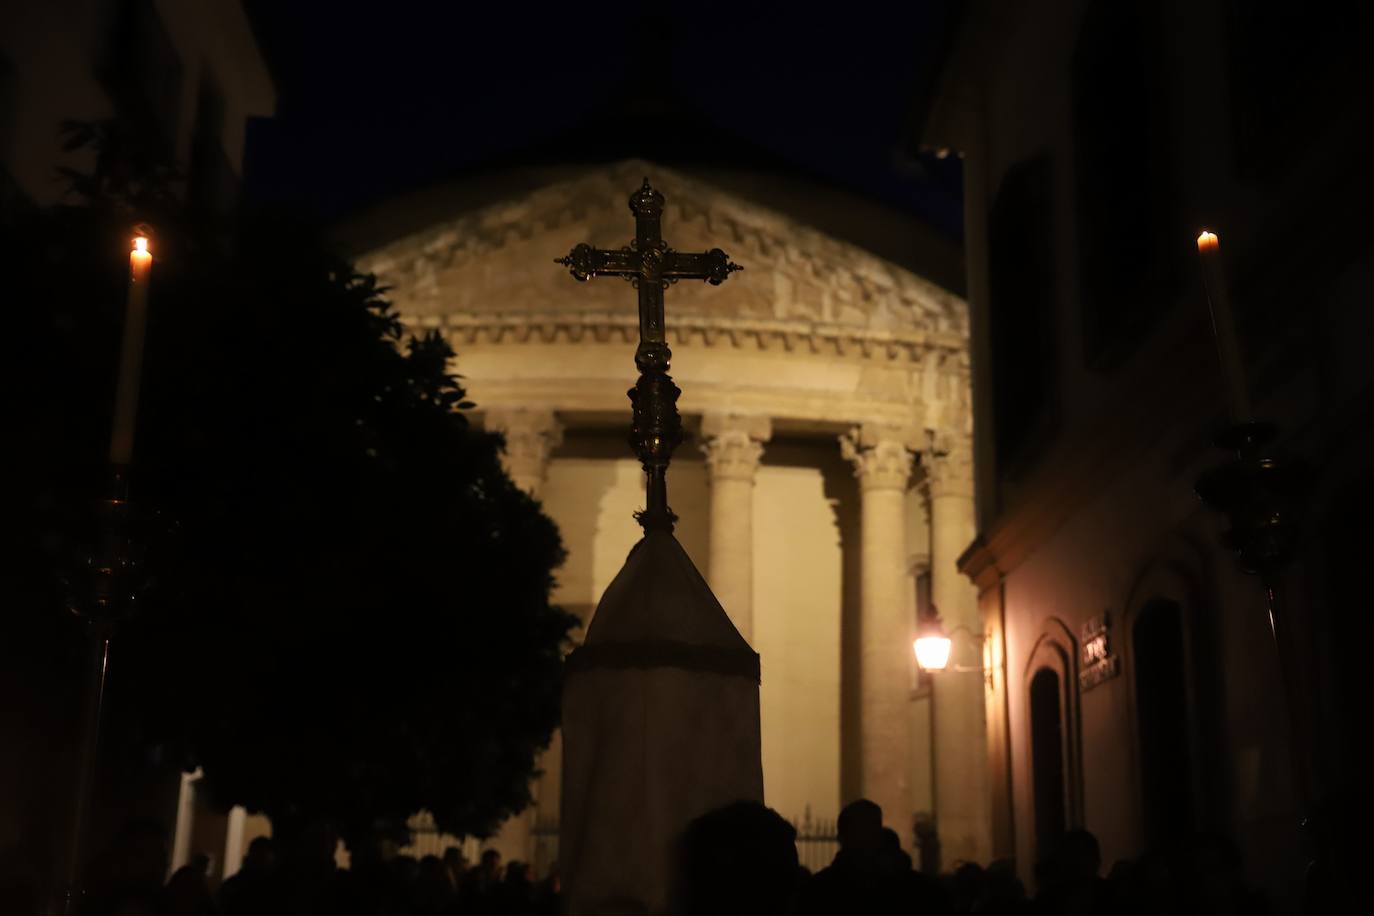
378 99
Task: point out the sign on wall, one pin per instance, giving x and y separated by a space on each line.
1098 662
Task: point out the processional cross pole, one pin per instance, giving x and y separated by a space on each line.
651 267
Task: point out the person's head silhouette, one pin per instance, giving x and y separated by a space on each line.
860 828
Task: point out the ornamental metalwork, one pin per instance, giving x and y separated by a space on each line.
651 267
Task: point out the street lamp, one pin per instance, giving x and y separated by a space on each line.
934 645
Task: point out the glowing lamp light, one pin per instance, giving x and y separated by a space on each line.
140 244
932 651
1207 241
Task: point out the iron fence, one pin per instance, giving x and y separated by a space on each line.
427 840
817 842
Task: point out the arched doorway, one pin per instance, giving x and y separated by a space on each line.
1047 758
1167 767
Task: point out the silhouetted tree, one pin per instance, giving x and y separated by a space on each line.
352 618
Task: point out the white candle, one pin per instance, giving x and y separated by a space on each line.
1223 326
131 354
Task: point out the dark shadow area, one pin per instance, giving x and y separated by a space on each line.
1047 758
1166 757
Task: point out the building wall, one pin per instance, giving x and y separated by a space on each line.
51 60
51 55
1095 512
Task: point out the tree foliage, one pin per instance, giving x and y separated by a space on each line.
352 618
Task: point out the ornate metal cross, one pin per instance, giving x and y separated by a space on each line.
651 266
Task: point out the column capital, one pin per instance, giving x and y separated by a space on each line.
531 434
881 456
948 465
733 444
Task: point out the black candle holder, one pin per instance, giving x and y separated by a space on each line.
1260 495
1263 498
104 587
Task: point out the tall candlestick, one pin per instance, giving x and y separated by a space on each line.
131 354
1223 326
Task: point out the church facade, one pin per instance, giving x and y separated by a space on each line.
827 476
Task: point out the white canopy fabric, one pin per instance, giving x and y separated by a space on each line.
660 725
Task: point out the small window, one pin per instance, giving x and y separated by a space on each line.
141 70
213 187
1021 321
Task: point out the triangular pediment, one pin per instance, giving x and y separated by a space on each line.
499 259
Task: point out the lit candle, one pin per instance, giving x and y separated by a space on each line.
131 354
1223 326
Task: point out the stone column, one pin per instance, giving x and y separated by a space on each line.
531 435
733 445
882 463
962 811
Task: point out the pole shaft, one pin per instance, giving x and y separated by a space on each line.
1299 728
90 744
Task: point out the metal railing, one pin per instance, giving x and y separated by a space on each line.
427 840
545 837
817 841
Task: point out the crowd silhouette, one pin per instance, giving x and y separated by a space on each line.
740 860
302 878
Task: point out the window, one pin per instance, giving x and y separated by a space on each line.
925 606
1130 250
213 185
1021 311
141 71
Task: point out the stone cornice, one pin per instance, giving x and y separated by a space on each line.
887 296
978 563
837 341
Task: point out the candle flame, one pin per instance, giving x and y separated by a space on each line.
141 244
1207 241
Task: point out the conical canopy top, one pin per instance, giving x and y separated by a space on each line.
659 612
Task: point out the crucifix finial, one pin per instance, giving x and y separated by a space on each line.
651 266
646 201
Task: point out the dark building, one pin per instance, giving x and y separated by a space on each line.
183 77
1135 688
